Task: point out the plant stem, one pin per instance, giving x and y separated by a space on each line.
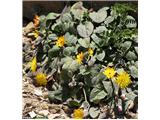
85 97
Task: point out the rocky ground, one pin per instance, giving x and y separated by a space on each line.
35 100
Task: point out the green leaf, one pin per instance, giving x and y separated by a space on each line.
53 52
94 112
74 103
85 30
108 87
96 95
68 51
84 42
100 55
52 16
99 16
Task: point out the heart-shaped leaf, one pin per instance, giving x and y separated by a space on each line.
85 30
99 16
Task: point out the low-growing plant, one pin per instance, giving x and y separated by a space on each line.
90 56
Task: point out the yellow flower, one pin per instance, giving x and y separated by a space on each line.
90 51
41 79
36 20
78 114
36 33
60 41
109 72
80 57
33 64
123 79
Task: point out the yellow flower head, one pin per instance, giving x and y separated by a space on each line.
41 79
33 64
80 57
36 20
123 79
36 33
60 41
109 72
90 51
78 114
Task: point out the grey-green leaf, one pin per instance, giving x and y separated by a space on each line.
94 112
97 40
100 55
131 96
78 10
85 30
84 42
96 95
52 37
108 87
68 50
100 29
126 45
66 17
108 20
52 16
99 16
130 22
131 56
70 39
134 71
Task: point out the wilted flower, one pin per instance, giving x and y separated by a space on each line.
36 20
90 51
33 64
123 79
109 72
78 114
60 41
41 79
36 33
80 57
